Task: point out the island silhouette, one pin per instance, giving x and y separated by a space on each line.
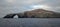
37 13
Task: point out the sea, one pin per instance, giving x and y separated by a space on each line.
29 22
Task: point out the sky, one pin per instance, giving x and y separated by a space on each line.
17 6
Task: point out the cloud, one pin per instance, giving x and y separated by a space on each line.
55 4
31 1
11 1
15 6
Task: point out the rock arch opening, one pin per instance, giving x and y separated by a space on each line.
16 16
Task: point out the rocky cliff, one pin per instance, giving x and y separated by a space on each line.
38 13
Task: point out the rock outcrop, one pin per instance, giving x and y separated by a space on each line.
9 16
38 13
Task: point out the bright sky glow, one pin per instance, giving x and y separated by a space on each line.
40 6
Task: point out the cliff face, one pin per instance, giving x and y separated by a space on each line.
38 13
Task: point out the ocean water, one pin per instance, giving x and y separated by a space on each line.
30 22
